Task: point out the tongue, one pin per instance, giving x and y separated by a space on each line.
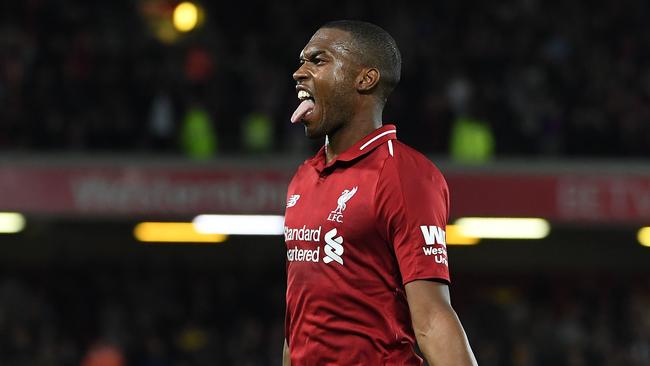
305 107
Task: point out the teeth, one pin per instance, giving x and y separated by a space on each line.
302 94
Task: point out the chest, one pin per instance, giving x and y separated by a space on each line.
342 200
330 220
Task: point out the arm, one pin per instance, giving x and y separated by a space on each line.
438 330
286 361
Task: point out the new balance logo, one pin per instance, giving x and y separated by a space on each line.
434 235
333 247
293 200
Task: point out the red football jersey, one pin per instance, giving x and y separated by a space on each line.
357 230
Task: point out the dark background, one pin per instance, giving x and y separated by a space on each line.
553 81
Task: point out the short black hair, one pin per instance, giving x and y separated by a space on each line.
376 48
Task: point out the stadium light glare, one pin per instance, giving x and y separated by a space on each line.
185 16
173 232
11 222
644 236
240 224
504 228
455 237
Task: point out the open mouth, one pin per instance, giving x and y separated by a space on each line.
305 108
303 94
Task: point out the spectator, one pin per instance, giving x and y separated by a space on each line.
556 79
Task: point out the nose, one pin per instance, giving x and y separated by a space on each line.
300 74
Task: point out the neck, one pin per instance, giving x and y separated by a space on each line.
358 127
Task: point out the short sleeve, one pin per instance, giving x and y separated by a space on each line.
412 207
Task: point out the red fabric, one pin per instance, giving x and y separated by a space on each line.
347 264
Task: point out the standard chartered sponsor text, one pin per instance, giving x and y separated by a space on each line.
303 255
333 249
302 234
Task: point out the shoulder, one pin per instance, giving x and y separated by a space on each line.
406 163
411 189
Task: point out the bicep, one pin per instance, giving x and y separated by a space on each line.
438 330
435 324
429 305
427 300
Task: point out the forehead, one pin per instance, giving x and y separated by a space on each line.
329 40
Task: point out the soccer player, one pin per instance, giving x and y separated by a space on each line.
367 271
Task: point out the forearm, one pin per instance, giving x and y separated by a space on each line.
443 341
286 360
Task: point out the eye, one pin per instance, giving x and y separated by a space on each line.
319 61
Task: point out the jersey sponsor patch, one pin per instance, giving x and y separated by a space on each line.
302 234
435 235
296 254
334 247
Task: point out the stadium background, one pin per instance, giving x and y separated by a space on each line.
110 116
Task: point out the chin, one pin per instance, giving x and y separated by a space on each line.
314 132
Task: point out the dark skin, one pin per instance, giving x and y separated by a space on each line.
348 108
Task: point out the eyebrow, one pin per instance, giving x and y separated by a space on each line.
310 54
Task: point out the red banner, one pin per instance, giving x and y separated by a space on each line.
174 191
141 191
562 197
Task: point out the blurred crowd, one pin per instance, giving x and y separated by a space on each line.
561 320
119 317
163 317
569 78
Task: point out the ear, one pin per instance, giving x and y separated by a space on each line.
367 80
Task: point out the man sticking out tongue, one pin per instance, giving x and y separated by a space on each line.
307 106
378 281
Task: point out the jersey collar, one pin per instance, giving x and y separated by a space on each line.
362 147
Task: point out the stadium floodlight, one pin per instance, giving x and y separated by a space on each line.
173 232
503 228
644 236
185 16
455 237
11 222
240 224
